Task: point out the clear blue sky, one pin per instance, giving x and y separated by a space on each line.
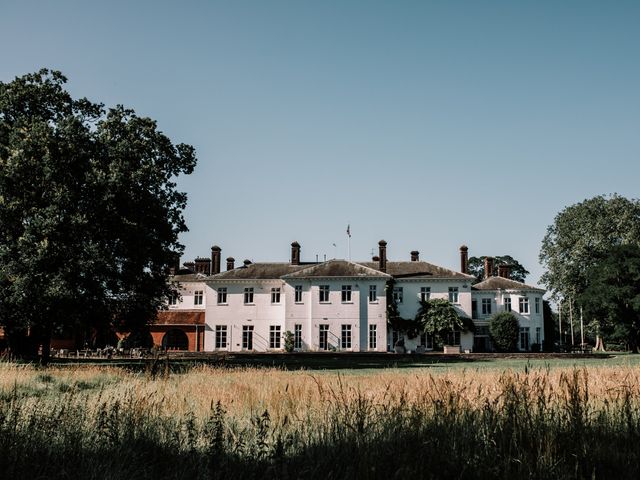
426 123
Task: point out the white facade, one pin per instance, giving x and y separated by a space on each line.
341 306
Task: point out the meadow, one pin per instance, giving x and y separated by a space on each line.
499 419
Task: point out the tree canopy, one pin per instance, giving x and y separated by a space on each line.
89 209
517 272
582 234
439 318
612 294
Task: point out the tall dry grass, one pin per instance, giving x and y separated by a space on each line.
258 423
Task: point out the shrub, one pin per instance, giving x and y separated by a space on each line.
288 341
504 329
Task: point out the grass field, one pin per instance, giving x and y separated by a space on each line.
506 418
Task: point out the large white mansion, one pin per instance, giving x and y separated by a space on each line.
337 304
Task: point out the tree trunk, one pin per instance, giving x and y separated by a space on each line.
599 344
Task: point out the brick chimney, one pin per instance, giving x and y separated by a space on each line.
295 253
246 262
415 256
231 263
215 259
189 266
464 259
383 256
488 267
174 267
504 271
202 265
375 258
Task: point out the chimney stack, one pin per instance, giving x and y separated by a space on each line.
375 258
464 259
295 253
202 265
504 271
231 263
415 256
215 259
488 267
191 266
247 262
383 256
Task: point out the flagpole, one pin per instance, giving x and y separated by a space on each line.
349 241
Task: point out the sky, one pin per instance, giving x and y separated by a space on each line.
429 124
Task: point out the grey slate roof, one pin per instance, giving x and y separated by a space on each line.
501 283
188 277
337 268
418 269
258 271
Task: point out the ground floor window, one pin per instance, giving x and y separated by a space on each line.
324 337
538 335
297 336
524 338
345 341
221 336
247 337
426 341
373 337
453 338
274 336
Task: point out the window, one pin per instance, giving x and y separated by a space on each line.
297 336
537 305
173 299
248 295
298 298
453 338
425 293
426 341
486 306
274 336
453 294
524 338
247 337
507 304
275 295
198 297
221 336
373 293
397 294
222 296
373 337
474 309
346 337
524 305
324 293
346 293
324 337
538 335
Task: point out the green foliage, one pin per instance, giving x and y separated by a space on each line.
288 341
407 326
89 211
612 294
518 272
504 330
550 326
583 233
439 318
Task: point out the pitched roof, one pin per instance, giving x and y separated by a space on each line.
501 283
418 269
337 268
180 317
188 277
257 271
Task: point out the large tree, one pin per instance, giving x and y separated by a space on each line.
89 210
580 235
517 271
612 294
